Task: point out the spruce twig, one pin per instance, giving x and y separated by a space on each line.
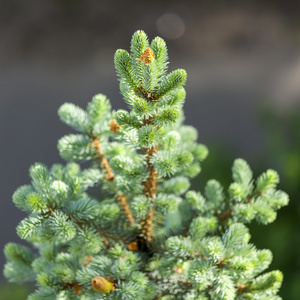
150 183
122 200
149 191
103 160
224 215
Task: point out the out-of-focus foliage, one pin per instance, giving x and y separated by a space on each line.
282 138
282 133
11 291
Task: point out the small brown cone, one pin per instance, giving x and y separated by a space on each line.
102 285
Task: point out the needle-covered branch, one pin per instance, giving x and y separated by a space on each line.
96 113
149 191
160 241
103 160
122 200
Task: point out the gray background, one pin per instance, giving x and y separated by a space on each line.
238 56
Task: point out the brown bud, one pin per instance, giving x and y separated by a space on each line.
133 246
102 285
147 56
114 126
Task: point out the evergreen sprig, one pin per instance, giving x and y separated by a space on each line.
147 236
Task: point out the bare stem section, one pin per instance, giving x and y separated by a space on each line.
149 191
122 200
125 207
103 160
225 215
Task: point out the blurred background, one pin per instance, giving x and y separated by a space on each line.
243 92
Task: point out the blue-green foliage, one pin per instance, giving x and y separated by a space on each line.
19 259
145 158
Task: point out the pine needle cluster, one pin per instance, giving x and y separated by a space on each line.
148 236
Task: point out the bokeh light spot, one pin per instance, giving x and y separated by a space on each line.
170 26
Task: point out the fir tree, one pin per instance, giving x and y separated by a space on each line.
150 236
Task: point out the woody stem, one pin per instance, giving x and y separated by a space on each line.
103 160
122 199
149 191
225 215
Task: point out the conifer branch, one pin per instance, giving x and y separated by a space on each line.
149 191
122 200
81 223
77 288
149 188
102 236
103 160
225 215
